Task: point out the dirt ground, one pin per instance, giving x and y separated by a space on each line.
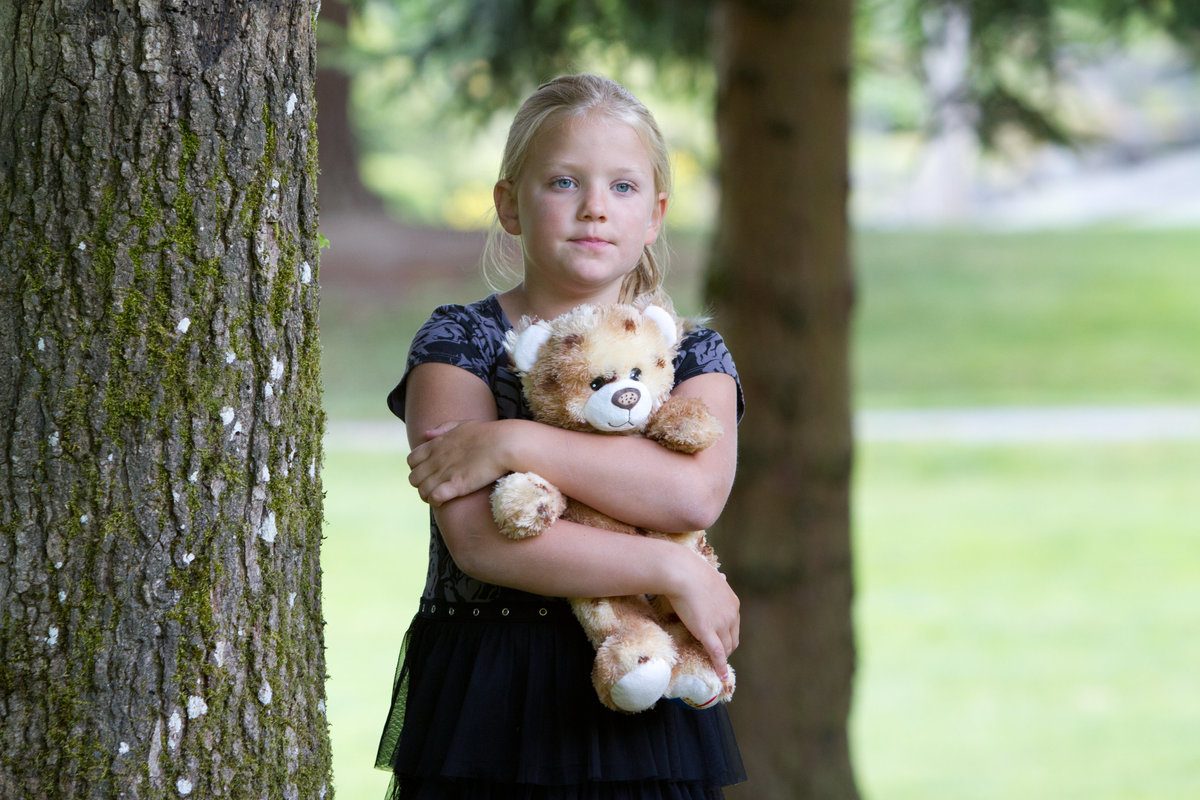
380 257
376 256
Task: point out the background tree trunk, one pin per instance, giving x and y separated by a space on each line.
782 287
342 190
160 419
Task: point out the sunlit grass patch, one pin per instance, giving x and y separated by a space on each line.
1027 620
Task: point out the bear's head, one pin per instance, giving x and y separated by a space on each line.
602 368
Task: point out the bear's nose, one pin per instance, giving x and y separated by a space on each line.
626 398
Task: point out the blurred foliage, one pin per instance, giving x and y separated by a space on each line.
495 51
426 92
490 54
436 80
1018 49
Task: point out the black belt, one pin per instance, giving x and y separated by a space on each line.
496 611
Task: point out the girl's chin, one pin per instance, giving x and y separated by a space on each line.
593 274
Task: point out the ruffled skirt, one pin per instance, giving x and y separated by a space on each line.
493 702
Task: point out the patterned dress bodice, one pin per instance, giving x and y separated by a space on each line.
472 337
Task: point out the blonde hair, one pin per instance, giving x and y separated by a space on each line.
576 96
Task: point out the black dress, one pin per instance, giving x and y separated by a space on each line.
493 696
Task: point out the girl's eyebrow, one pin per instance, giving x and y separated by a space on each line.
571 166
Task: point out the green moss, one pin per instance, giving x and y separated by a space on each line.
312 154
83 623
286 270
217 174
257 190
17 655
182 232
102 249
194 612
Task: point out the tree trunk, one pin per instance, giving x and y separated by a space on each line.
782 287
342 190
160 420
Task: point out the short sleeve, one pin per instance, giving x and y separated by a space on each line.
703 351
453 335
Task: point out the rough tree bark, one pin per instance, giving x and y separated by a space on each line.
782 287
160 421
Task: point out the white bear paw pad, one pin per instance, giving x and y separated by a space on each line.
695 692
642 686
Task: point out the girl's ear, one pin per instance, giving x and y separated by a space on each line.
504 195
657 215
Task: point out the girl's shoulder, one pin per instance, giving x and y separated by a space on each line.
477 322
703 351
468 336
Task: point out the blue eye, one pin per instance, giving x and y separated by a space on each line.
624 187
563 183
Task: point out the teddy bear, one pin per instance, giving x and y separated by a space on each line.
609 369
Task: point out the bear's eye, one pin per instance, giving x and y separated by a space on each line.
636 375
598 383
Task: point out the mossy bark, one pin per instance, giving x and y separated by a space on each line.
160 417
782 287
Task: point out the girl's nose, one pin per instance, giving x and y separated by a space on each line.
592 206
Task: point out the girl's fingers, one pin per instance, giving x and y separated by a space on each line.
713 606
443 428
716 654
421 452
436 468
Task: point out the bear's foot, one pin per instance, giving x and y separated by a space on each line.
525 504
642 686
695 691
700 687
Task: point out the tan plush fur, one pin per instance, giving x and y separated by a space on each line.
584 369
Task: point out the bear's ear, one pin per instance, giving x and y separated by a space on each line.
524 346
665 322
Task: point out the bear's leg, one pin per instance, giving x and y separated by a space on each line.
693 680
639 689
634 655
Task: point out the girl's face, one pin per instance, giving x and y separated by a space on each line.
585 206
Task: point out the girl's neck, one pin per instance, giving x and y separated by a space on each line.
522 301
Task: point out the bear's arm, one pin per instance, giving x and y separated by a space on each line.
568 559
639 481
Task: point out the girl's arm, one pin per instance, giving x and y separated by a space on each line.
567 560
635 480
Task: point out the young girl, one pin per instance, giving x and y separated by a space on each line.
493 697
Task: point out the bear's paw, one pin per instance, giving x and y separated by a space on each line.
525 504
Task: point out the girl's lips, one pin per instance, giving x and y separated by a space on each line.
591 242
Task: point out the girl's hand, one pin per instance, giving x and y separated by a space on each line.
458 458
709 609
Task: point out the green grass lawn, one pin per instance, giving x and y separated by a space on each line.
373 563
1027 618
1027 614
1104 316
1027 621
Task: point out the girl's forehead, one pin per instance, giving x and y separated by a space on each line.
593 133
